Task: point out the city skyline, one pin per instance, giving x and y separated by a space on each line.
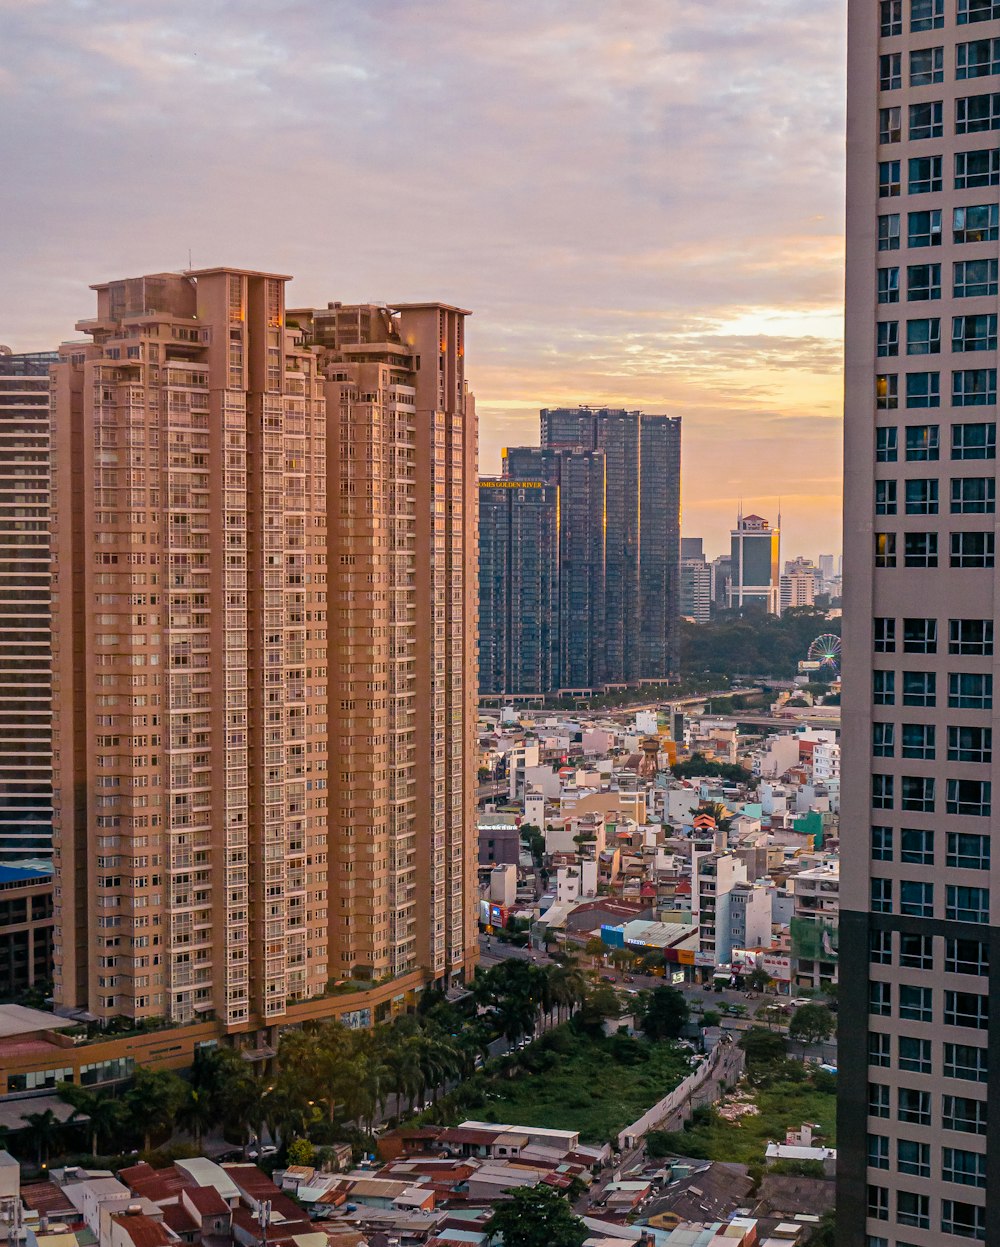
582 229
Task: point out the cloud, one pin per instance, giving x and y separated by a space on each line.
642 202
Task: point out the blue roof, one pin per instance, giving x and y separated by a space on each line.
21 874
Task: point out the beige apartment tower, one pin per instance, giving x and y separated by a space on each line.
919 1056
262 740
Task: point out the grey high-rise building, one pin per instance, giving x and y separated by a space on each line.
755 554
619 478
695 581
919 941
25 625
518 587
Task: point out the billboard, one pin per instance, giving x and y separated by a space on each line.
779 968
814 939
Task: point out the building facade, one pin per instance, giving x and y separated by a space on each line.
25 620
919 1054
755 559
215 470
695 581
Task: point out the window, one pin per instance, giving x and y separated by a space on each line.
882 792
878 1100
971 797
970 636
926 14
978 223
963 1219
919 688
886 445
965 1062
917 794
887 338
880 948
926 66
882 844
914 1054
974 387
973 495
888 232
977 168
925 120
884 688
913 1157
916 952
878 1050
974 333
890 128
975 278
880 999
966 957
885 634
974 441
886 391
972 549
970 744
919 636
916 900
923 389
921 496
923 337
913 1209
961 1112
961 1167
890 71
978 59
889 185
888 285
977 11
966 1009
882 742
918 741
878 1151
890 18
878 1203
914 1106
885 549
923 282
881 890
920 550
885 502
968 690
974 113
968 851
923 442
916 846
963 904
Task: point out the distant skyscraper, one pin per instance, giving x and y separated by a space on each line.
692 548
722 571
756 555
695 581
518 587
619 478
25 623
799 584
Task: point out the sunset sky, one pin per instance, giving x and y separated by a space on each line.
641 200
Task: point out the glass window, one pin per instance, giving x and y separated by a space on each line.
889 184
889 125
916 846
974 441
974 333
973 387
966 1009
914 1106
973 495
977 168
926 14
977 11
884 688
974 113
975 278
978 59
923 442
977 223
888 285
916 900
878 1151
923 337
885 633
882 844
921 496
963 904
888 232
926 66
972 549
882 742
912 1209
916 952
885 549
886 445
965 1062
926 120
966 957
918 740
970 636
890 71
878 1050
920 549
913 1157
968 690
880 948
968 851
923 282
917 794
962 1219
919 636
923 229
963 1113
882 787
880 999
890 13
914 1054
970 744
878 1203
923 389
881 891
962 1167
885 499
919 688
878 1100
886 391
887 338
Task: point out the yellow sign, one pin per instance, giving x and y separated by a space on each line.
511 484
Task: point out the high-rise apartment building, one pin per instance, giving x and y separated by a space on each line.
518 587
695 581
618 474
799 584
25 623
260 772
919 1049
755 552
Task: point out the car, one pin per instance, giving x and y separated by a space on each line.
798 1001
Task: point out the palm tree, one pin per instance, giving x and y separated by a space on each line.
153 1101
197 1113
46 1130
103 1113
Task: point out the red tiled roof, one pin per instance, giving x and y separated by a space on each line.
177 1217
142 1230
207 1200
47 1198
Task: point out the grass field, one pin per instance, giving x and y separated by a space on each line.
594 1085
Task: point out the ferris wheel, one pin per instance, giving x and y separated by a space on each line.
826 651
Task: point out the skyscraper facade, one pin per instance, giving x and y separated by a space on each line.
518 587
217 853
25 623
919 1049
695 581
755 552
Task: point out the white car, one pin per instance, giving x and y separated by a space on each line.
799 1001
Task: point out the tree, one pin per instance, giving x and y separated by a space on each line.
711 1018
300 1152
811 1024
154 1100
45 1131
758 979
666 1014
196 1113
101 1113
536 1216
601 1002
762 1047
595 947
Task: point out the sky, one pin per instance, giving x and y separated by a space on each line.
641 201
